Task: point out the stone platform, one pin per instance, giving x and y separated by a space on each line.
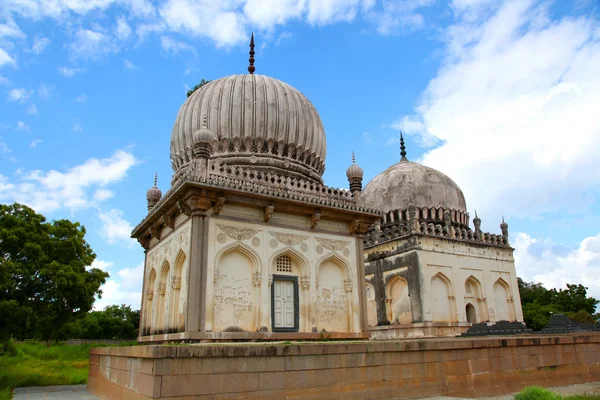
458 367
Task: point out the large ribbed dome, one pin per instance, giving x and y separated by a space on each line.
259 122
408 181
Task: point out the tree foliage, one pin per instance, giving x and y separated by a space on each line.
198 86
540 303
114 322
44 277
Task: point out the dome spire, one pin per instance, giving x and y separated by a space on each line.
156 180
153 195
402 148
251 67
355 176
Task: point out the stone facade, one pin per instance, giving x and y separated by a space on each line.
473 367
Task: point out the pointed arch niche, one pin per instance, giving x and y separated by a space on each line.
289 262
371 305
505 310
148 312
442 300
235 304
333 296
177 319
162 304
397 301
474 296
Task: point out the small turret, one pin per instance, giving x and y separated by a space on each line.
355 176
477 224
203 139
153 194
504 228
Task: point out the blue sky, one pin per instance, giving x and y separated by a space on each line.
502 96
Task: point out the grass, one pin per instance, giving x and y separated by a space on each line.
35 364
539 393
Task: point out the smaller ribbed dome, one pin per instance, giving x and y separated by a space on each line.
204 135
354 171
153 193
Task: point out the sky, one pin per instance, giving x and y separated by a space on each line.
502 96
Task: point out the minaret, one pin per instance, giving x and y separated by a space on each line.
402 148
504 228
477 224
355 176
153 194
203 140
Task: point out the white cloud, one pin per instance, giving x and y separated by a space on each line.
76 125
10 29
35 142
32 110
515 106
101 264
82 98
124 288
129 65
173 46
122 29
69 72
5 58
53 190
22 126
91 44
555 265
19 94
103 194
114 228
283 37
45 90
39 44
4 80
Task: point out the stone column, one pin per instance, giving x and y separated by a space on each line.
362 296
196 208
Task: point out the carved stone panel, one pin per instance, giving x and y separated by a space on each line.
238 233
333 244
288 239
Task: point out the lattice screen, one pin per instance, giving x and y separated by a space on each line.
284 264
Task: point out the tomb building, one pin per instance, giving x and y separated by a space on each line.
427 272
248 242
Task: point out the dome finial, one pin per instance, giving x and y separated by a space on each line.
402 148
353 158
251 68
155 178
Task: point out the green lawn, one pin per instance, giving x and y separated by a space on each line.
35 364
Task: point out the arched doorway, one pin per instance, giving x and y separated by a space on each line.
471 313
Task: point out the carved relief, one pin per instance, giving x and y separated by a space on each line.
319 249
346 252
221 238
242 212
238 233
288 219
288 239
305 282
273 243
332 244
304 247
334 226
255 242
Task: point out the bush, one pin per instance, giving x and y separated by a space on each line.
536 393
8 348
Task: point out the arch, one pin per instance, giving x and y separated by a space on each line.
162 289
333 299
337 259
303 261
503 300
177 321
148 314
243 248
371 304
473 287
441 299
234 304
471 313
398 304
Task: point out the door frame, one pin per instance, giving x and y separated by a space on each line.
293 279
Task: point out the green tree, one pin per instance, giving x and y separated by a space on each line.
44 276
540 303
114 322
198 86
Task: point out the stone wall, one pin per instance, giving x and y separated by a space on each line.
344 370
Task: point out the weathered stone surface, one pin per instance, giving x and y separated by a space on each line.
375 370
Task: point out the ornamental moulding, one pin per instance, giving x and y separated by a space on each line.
288 239
238 233
332 244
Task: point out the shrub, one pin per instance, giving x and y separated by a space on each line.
536 393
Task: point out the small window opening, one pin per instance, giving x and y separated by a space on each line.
284 264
